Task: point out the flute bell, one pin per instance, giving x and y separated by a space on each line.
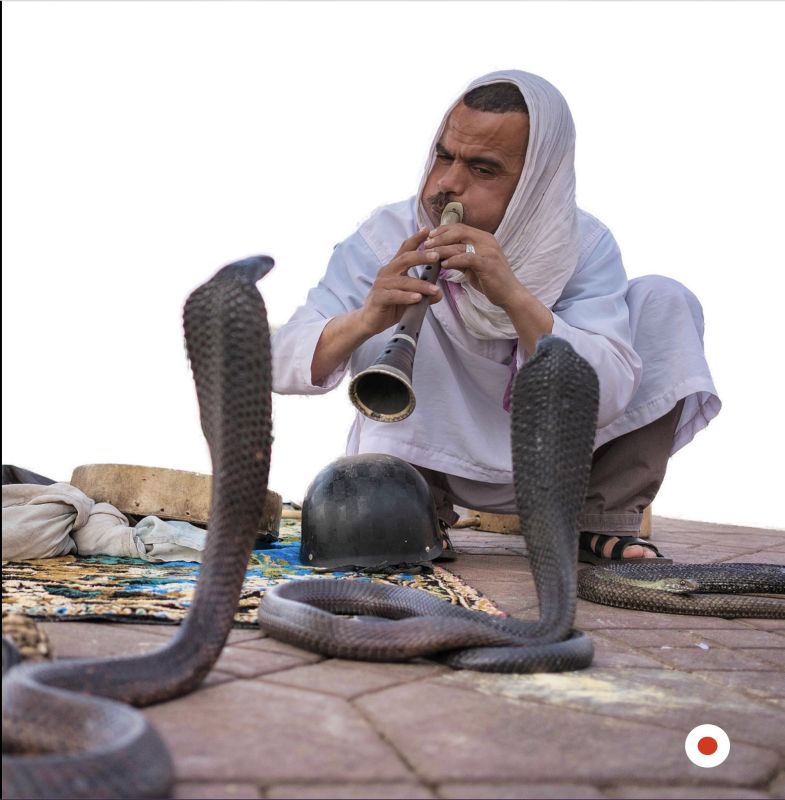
383 391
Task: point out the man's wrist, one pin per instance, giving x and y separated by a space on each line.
360 326
530 318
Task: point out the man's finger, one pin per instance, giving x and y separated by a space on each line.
398 297
452 234
413 242
408 284
448 251
403 262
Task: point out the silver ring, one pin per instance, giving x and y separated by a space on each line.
470 249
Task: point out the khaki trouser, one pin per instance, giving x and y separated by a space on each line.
626 474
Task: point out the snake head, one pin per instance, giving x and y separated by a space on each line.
677 585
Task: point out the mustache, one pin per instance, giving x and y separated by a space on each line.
438 202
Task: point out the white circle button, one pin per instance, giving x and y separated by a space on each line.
707 746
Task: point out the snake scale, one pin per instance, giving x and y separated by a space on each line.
68 727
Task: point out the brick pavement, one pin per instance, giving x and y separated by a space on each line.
273 721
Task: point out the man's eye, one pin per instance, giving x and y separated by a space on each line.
483 171
443 157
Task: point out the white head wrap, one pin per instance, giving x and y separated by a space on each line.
539 232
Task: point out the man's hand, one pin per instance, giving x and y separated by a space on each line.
394 290
487 269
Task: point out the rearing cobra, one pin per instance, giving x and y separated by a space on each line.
71 714
76 715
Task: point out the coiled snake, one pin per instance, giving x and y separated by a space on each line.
76 715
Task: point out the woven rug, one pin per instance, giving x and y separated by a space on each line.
132 590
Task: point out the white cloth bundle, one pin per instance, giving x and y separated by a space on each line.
539 233
46 521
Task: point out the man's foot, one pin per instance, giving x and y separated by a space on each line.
448 551
600 548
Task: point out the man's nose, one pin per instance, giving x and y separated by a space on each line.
453 181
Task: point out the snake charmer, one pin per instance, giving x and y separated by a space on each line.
524 262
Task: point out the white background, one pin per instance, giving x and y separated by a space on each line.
147 144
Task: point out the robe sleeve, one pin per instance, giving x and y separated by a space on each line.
592 315
344 287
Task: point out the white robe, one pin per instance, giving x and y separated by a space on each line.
645 363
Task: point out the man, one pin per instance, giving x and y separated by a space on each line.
524 262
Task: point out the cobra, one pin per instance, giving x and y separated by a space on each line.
75 716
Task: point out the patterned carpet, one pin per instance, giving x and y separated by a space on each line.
132 590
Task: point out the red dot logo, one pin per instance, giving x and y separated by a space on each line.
707 746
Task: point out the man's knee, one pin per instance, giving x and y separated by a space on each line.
664 297
662 287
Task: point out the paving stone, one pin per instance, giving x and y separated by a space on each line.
486 549
519 791
510 599
711 553
350 791
702 544
667 637
270 645
690 658
593 615
608 653
461 536
766 624
242 635
449 734
97 640
773 656
511 588
777 786
191 790
158 629
631 792
683 550
690 538
665 698
254 732
768 557
215 676
766 685
493 565
244 662
715 529
353 678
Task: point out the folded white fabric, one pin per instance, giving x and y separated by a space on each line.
38 520
56 520
170 540
107 533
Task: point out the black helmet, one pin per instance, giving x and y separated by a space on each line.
369 511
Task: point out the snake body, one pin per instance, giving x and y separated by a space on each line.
75 716
697 589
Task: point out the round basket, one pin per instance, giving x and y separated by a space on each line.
165 493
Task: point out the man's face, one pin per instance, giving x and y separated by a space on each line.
479 160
